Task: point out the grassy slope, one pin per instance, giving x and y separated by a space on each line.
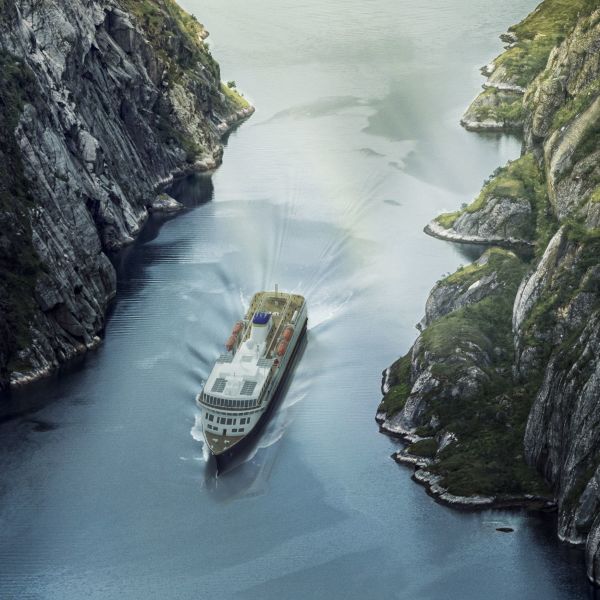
520 178
538 34
159 19
488 457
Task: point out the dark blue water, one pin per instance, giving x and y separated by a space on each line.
355 145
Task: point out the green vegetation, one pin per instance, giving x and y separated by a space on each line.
538 34
19 264
588 144
400 386
160 19
426 448
520 178
576 105
500 106
235 97
503 262
488 456
471 349
447 220
177 38
566 283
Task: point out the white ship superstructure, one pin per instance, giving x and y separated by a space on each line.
242 383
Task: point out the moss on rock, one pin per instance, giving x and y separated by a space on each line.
19 263
399 387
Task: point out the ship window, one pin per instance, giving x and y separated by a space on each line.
241 430
229 421
234 430
211 417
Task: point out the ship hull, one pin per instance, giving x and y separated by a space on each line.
237 454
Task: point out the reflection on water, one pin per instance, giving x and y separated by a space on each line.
104 488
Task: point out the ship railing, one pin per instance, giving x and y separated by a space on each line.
228 403
268 380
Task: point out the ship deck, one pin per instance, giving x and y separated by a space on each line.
282 307
220 443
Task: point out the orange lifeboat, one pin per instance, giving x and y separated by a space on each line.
281 348
231 340
288 332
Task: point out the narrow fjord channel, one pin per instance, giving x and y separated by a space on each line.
354 146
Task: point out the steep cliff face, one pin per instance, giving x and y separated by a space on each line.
102 102
547 402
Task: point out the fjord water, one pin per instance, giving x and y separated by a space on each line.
355 145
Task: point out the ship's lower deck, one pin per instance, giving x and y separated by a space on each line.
220 443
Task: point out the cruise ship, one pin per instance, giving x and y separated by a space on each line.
239 393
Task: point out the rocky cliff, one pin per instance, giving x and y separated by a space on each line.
499 397
101 103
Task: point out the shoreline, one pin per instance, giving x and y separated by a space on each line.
435 230
431 481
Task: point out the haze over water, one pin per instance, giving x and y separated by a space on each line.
354 146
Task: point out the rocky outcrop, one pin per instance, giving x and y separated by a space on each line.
505 213
448 397
536 386
503 222
495 109
467 286
120 97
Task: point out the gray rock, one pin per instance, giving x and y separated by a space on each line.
165 203
106 127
